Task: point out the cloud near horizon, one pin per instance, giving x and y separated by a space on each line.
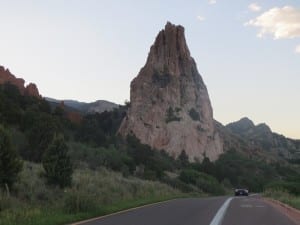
254 7
280 23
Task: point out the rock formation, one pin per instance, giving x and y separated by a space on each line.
32 90
7 77
169 103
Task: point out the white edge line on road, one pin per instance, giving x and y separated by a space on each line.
217 220
122 211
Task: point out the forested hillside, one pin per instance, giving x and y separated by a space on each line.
53 168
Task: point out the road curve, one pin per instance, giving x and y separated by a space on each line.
199 211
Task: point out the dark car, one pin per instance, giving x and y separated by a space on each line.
241 192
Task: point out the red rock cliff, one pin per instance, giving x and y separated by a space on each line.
7 77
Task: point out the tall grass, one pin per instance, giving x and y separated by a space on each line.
283 196
93 193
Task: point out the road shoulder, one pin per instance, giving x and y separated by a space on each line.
292 213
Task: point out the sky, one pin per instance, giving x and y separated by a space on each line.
248 52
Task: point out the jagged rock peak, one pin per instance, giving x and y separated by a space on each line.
7 77
245 121
264 127
169 104
32 90
169 47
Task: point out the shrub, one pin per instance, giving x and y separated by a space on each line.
162 80
10 164
40 129
290 187
189 176
100 156
5 202
77 201
284 197
32 189
209 184
171 115
194 114
183 159
57 164
179 184
203 181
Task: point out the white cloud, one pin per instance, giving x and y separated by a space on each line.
281 23
212 2
201 18
254 7
297 50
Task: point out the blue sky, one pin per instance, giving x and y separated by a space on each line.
91 49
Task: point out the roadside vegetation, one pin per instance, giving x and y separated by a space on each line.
54 171
93 193
283 196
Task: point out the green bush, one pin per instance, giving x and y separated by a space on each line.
289 187
57 164
40 134
162 80
5 202
32 189
76 201
203 181
180 185
209 184
194 114
171 115
183 159
10 164
241 171
97 157
189 176
99 129
283 196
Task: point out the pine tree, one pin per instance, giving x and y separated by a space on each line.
57 164
10 164
183 158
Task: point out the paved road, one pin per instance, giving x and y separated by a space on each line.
253 210
207 211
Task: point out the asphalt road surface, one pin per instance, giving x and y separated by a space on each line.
205 211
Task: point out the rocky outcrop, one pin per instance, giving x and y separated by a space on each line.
169 104
32 90
7 77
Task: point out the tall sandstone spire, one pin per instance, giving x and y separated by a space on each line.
169 103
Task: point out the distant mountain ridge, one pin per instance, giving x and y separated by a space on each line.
262 136
98 106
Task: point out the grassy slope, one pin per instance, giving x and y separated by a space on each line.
94 193
284 197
